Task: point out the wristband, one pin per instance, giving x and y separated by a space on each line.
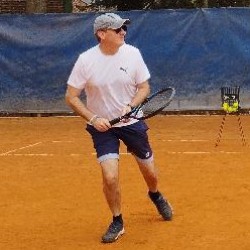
93 119
130 106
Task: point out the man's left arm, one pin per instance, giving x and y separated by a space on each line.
143 90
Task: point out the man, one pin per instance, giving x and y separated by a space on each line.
115 79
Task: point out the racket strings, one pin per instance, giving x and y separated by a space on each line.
156 103
152 106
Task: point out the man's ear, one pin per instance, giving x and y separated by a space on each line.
100 34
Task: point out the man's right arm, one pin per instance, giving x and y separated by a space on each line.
72 98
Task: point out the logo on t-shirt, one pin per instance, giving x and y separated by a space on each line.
124 69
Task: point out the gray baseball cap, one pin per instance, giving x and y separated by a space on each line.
109 21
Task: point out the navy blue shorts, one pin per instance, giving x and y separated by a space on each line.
134 136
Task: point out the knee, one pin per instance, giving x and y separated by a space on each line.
110 181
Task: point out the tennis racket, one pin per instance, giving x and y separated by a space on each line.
152 106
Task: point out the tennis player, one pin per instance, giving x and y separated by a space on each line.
115 78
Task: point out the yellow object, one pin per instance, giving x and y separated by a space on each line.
230 109
236 105
225 106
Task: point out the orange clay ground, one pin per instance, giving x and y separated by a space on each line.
51 191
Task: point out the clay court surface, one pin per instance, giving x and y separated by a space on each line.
51 191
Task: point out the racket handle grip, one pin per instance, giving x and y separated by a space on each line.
114 121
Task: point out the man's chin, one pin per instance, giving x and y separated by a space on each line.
122 43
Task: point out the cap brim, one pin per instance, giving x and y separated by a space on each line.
126 21
119 25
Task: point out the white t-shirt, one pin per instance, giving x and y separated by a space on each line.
110 81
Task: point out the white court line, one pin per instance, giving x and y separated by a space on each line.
14 150
169 140
206 152
191 152
42 154
61 141
31 155
168 152
119 153
29 146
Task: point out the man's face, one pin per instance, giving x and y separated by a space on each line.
113 36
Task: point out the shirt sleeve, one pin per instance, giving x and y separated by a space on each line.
142 72
77 78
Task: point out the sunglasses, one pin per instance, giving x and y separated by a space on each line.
123 27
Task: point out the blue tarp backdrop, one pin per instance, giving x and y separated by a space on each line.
197 51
